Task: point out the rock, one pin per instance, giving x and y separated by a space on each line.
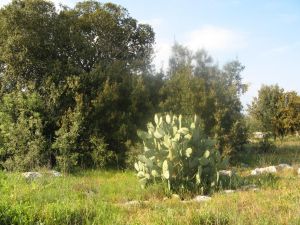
298 171
284 167
201 198
135 203
186 201
259 135
56 173
31 175
258 171
132 203
229 191
251 187
225 173
254 189
174 196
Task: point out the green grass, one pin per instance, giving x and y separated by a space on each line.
98 197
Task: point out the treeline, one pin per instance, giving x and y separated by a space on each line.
76 84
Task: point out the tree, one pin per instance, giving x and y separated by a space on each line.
196 85
265 108
276 111
95 51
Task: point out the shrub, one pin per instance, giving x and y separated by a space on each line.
177 152
100 155
21 138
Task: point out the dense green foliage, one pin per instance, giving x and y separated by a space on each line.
195 84
77 83
88 69
177 151
276 111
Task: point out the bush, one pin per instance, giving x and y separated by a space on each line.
21 139
101 156
177 152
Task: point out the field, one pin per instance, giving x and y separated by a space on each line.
103 197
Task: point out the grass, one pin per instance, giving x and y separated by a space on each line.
98 197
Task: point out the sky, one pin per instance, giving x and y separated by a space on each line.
264 35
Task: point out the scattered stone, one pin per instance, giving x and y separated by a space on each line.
259 135
201 198
258 171
284 167
176 197
56 173
251 187
225 173
132 203
186 201
254 189
31 175
298 171
229 191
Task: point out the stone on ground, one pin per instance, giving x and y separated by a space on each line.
225 173
201 198
56 173
269 169
284 166
31 175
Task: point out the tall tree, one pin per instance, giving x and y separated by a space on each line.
94 50
195 84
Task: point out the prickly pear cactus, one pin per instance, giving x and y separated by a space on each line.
177 152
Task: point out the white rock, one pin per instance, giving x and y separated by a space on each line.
298 171
259 135
284 167
56 173
269 169
225 173
174 196
229 191
132 203
201 198
31 175
251 187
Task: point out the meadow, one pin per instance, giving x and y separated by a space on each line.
115 197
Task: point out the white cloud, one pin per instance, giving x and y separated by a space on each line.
162 51
4 2
214 38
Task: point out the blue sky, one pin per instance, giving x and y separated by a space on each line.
263 34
